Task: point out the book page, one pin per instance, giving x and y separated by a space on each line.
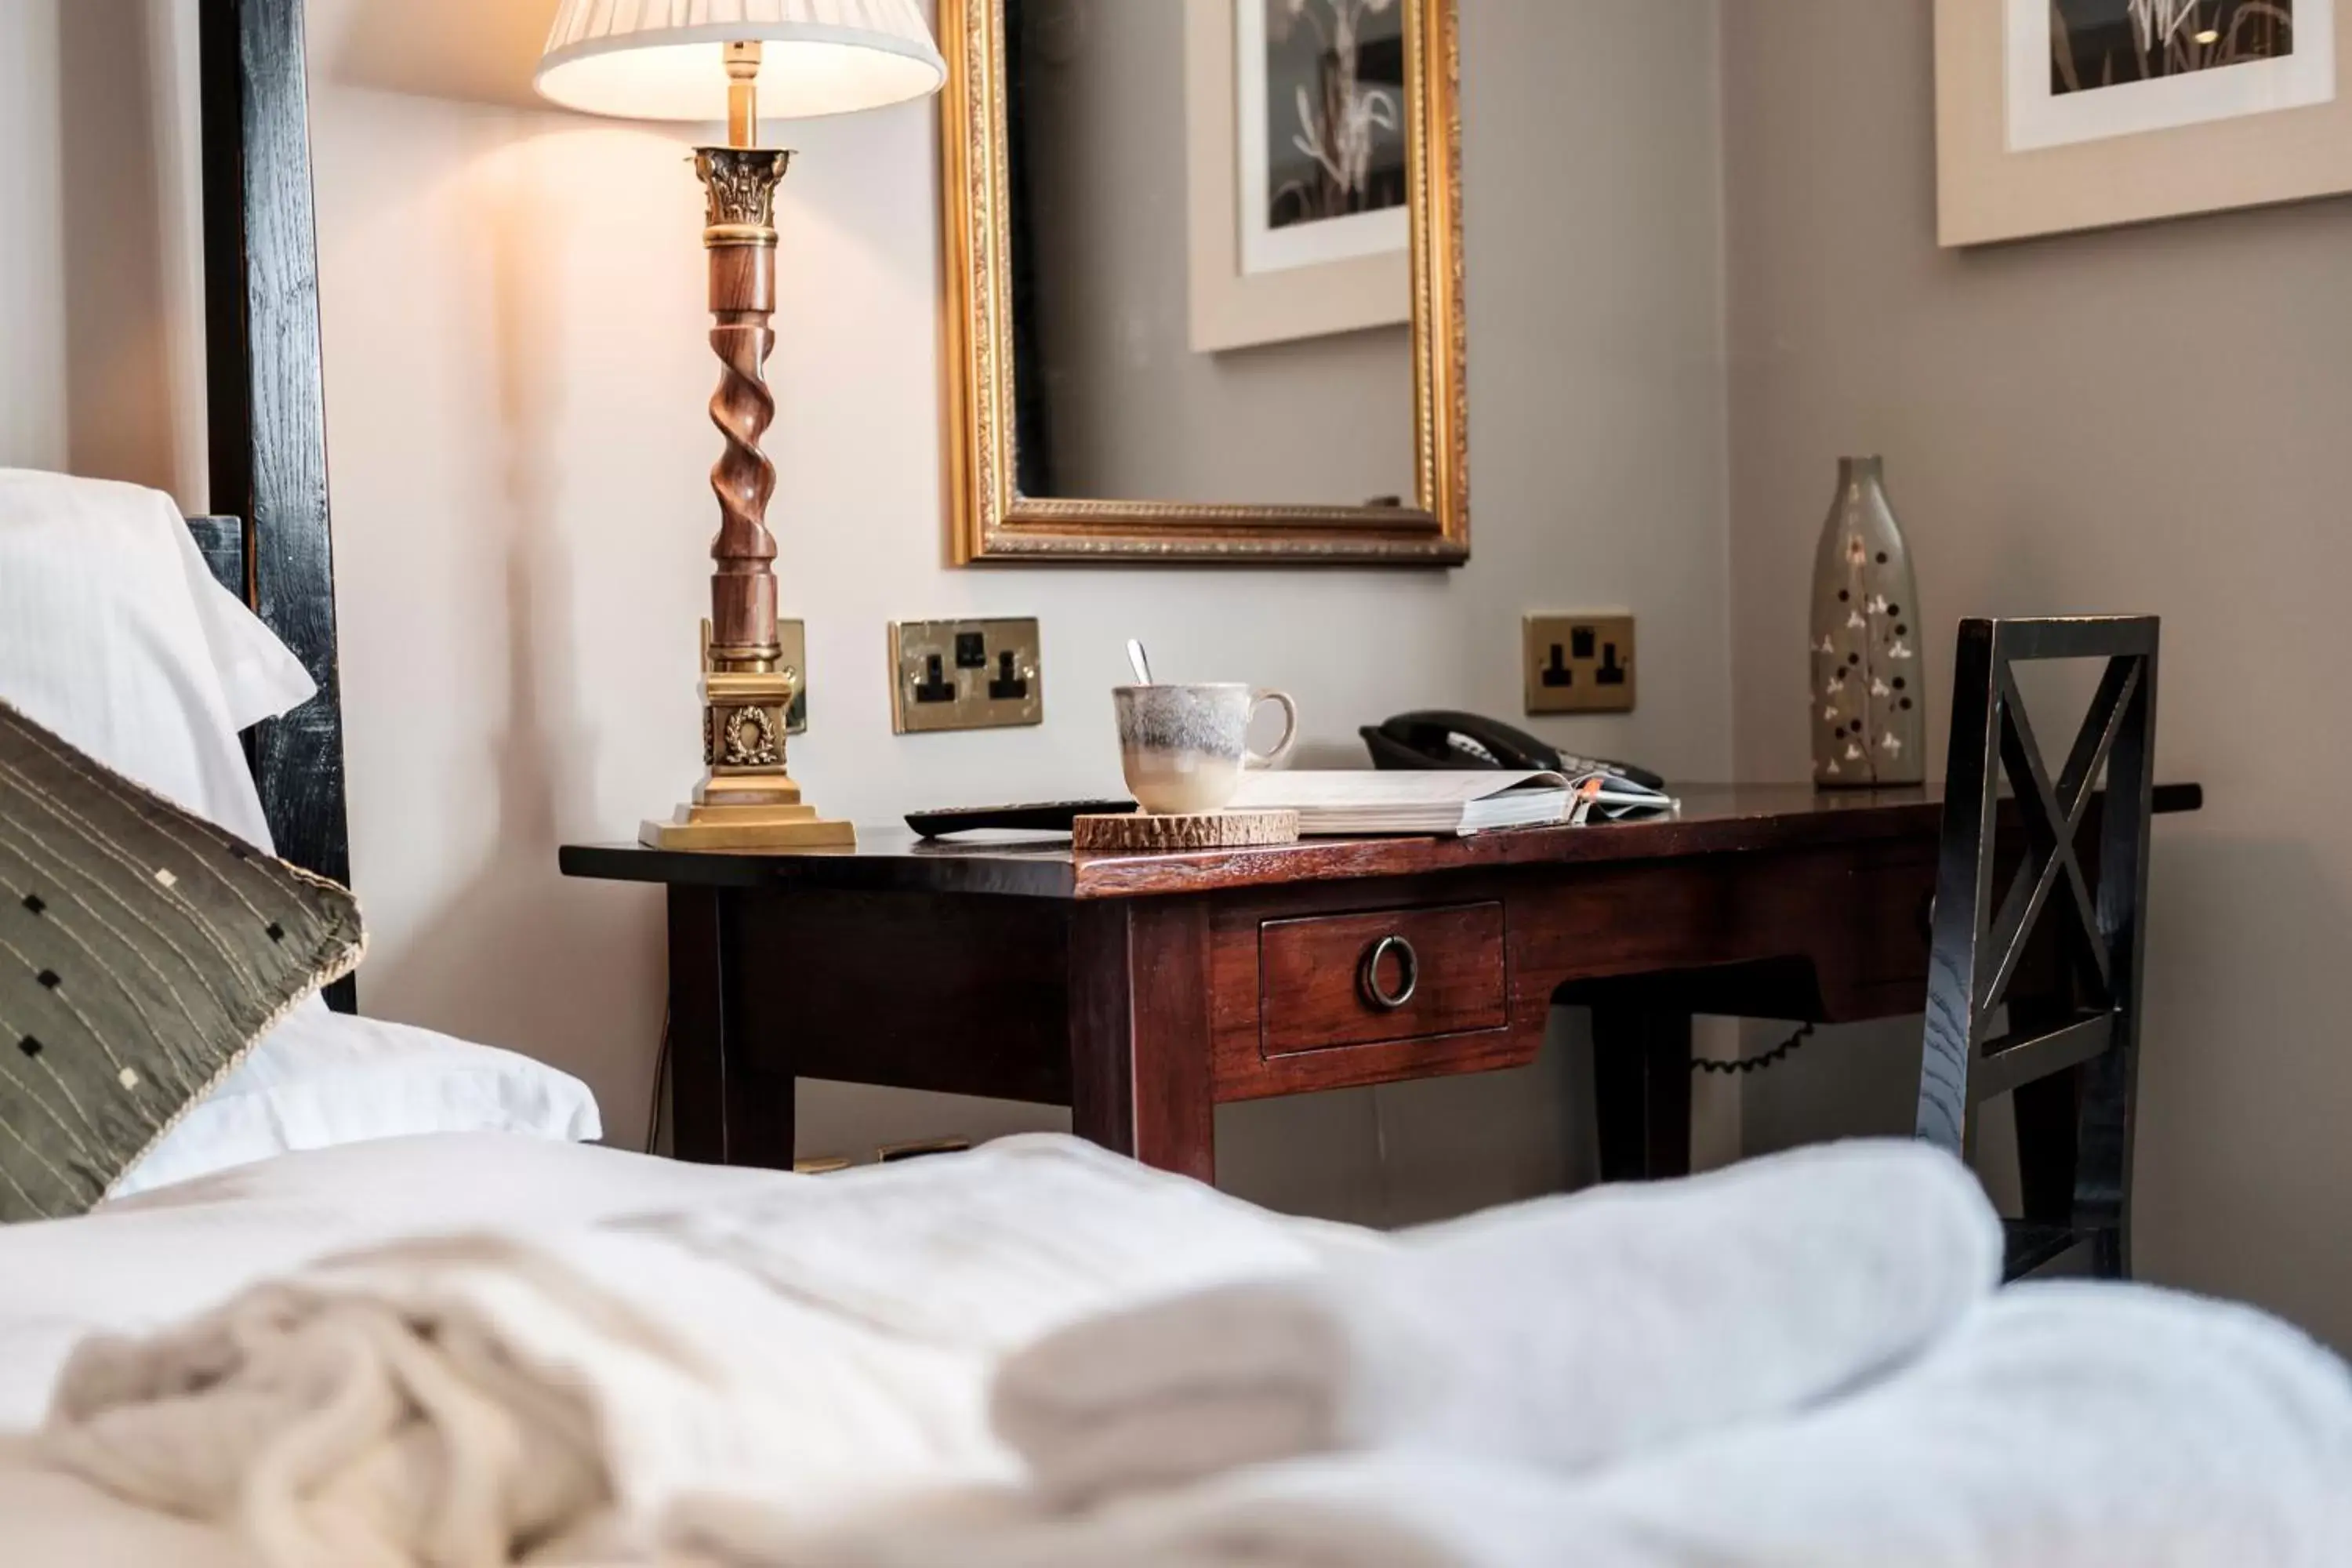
1307 789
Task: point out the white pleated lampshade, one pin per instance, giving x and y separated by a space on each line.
660 59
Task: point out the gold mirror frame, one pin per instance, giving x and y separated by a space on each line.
993 522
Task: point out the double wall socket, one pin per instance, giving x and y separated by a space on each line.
792 638
1578 664
965 675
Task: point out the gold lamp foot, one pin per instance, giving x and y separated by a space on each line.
748 828
746 802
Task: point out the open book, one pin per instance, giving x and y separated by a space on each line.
1440 800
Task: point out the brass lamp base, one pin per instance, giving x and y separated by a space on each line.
748 828
746 802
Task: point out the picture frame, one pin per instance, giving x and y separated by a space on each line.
2060 115
1252 282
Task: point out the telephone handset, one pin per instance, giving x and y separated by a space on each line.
1438 739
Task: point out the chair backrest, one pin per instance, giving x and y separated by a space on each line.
2100 908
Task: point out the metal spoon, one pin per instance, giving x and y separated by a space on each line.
1141 665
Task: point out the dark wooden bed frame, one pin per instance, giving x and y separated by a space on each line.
268 538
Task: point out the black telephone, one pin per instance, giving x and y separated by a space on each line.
1437 739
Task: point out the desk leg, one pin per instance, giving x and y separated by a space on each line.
722 1112
1139 1064
1642 1091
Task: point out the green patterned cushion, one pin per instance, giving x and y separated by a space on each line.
142 953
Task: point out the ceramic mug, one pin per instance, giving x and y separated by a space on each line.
1183 747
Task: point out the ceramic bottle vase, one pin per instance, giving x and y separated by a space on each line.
1869 693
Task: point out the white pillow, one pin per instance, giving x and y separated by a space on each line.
321 1078
114 634
259 674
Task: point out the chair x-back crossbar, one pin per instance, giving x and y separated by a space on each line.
2070 1063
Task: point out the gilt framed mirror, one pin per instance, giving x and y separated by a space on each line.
1204 267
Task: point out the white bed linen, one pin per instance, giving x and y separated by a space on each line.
53 1520
321 1078
139 1263
114 635
2057 1426
1738 1294
142 1262
820 1346
2063 1425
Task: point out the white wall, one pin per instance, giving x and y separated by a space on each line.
515 370
32 239
100 328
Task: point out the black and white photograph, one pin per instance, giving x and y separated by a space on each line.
1334 109
1321 101
2096 44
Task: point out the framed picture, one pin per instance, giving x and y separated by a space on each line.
1319 116
2068 114
1297 168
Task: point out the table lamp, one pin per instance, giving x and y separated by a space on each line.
698 60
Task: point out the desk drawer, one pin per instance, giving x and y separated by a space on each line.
1438 972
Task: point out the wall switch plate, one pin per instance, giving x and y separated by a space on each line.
792 638
965 675
1578 664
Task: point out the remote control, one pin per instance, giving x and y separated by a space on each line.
1047 817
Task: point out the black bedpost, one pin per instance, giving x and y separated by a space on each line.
267 416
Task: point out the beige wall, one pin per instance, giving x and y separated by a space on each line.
2148 420
32 240
515 370
100 343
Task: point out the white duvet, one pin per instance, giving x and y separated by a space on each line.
158 1258
519 1351
144 1262
827 1342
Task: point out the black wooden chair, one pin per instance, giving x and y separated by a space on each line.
2070 1051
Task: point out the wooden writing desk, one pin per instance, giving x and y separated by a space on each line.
1140 989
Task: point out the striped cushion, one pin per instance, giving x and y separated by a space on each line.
142 953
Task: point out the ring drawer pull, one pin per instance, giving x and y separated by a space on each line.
1408 973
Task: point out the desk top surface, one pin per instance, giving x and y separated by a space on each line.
1715 819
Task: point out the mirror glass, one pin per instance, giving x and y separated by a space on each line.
1210 291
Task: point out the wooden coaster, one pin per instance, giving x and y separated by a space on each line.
1192 830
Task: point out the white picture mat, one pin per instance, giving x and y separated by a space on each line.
2041 118
1265 248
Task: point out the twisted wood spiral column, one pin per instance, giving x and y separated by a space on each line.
742 239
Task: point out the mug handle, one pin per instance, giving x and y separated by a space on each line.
1289 729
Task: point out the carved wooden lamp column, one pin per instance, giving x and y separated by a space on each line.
694 59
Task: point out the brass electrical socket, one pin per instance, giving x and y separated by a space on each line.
965 675
792 638
1578 664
